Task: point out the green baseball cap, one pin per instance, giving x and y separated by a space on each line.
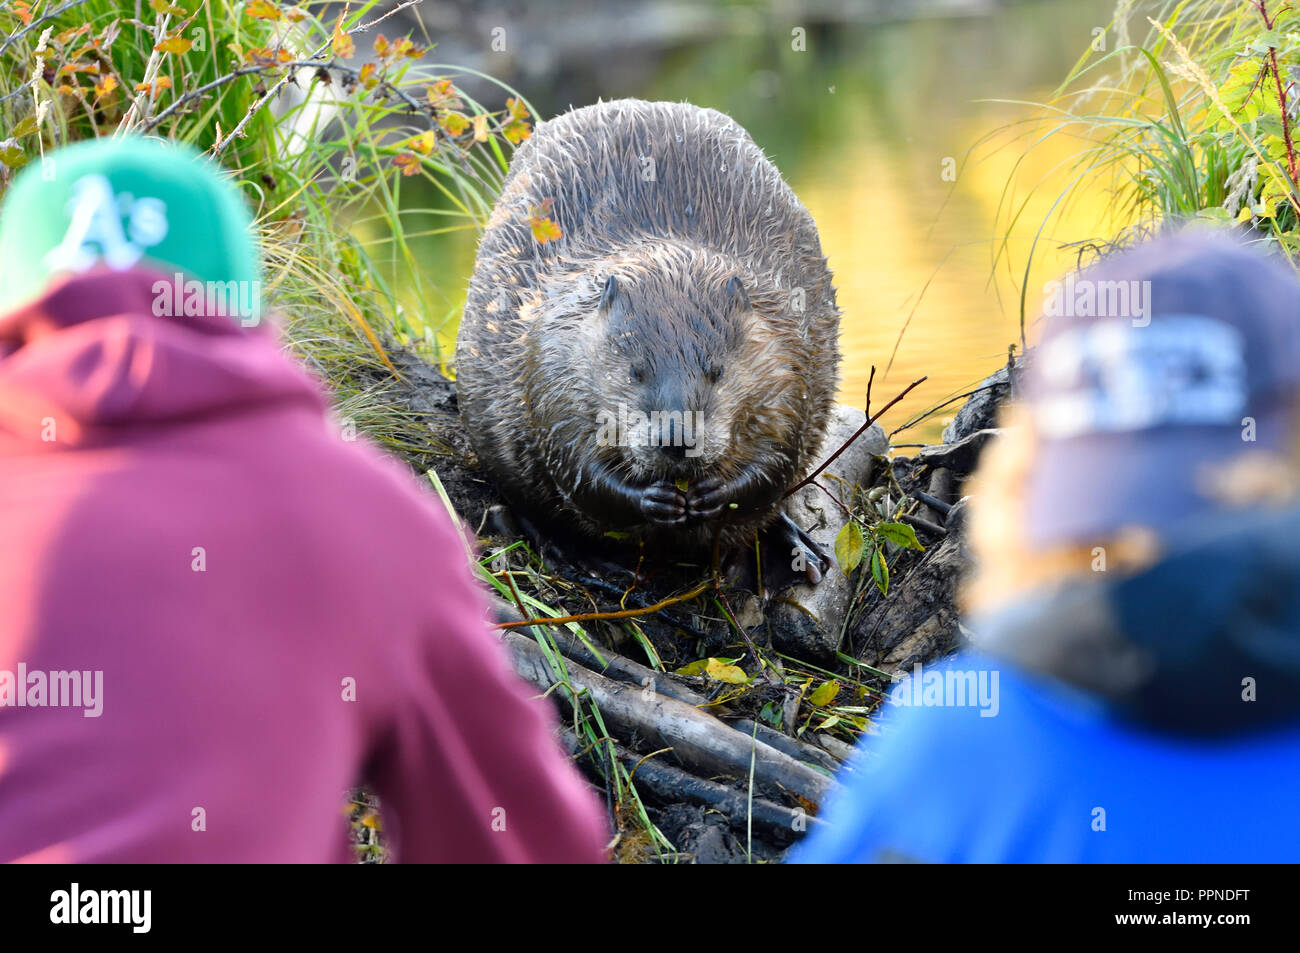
120 203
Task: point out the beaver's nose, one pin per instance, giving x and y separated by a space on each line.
673 451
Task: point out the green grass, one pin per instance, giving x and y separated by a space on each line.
1182 124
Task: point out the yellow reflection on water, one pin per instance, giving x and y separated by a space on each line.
916 285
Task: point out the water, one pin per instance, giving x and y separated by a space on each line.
862 125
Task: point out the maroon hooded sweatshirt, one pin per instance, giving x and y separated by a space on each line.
273 613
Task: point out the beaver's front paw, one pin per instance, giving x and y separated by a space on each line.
707 499
663 503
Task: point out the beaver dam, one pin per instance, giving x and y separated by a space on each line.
711 717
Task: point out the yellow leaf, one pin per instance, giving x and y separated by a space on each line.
544 230
516 108
825 693
720 671
516 131
174 44
262 10
455 123
693 668
850 546
425 142
106 86
481 128
341 43
442 95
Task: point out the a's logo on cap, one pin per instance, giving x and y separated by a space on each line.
1110 377
95 230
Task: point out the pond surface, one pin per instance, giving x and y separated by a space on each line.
864 125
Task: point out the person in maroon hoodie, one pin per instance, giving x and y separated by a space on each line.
216 613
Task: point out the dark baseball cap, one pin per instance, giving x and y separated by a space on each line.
1157 362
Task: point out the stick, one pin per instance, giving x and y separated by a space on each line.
699 740
861 430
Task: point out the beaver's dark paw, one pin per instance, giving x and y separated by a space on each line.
707 499
663 503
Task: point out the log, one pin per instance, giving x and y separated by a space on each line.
701 742
668 785
624 669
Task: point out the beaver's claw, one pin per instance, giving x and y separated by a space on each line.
808 556
663 503
706 499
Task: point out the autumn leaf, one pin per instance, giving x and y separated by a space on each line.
368 78
425 142
106 86
516 108
264 54
442 95
455 123
341 43
544 230
24 11
717 669
262 10
295 14
850 545
720 671
408 162
404 47
381 45
481 128
67 36
516 131
824 694
174 44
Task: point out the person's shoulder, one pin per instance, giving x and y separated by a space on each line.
955 748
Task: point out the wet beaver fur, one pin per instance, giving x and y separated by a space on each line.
666 367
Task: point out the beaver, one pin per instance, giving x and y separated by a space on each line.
665 368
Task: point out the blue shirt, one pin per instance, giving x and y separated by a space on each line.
1057 777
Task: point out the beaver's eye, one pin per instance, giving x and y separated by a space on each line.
714 373
638 375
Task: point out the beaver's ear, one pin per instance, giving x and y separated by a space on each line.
608 296
736 292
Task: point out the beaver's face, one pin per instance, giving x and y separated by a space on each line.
667 356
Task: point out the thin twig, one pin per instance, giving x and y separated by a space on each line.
39 21
600 616
861 430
